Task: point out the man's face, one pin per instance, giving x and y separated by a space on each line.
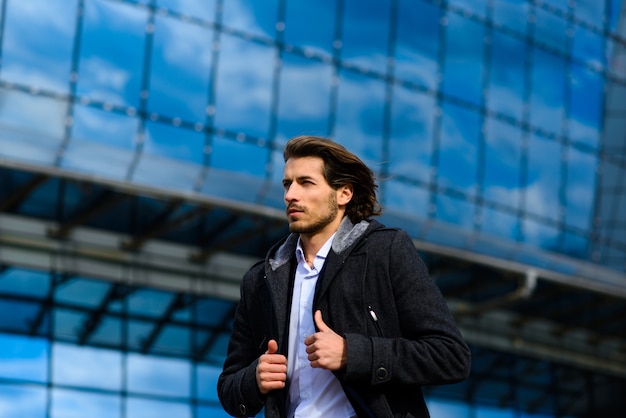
312 205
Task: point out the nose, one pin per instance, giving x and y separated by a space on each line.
291 194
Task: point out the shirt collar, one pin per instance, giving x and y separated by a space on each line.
322 253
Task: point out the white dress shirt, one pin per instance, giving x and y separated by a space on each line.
313 392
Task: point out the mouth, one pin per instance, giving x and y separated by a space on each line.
294 211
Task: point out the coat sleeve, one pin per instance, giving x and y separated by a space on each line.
419 342
236 386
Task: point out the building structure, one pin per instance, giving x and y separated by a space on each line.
140 163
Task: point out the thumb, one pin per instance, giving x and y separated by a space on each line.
272 347
319 322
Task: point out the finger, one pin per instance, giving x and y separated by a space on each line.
272 347
319 322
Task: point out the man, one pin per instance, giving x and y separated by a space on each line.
341 319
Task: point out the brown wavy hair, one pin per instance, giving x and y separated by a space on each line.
341 167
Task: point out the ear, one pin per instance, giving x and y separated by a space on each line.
344 194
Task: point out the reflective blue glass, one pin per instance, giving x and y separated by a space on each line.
501 169
586 105
23 358
255 17
512 14
455 211
470 7
304 97
244 86
458 148
180 52
206 382
79 404
547 97
406 198
169 141
591 11
173 339
112 52
108 332
158 376
240 157
202 9
17 281
580 186
463 69
212 412
39 58
311 25
543 178
32 126
104 371
588 46
417 43
150 408
82 292
23 401
507 75
499 223
18 316
137 333
575 246
359 123
68 323
365 33
411 146
539 235
550 29
149 302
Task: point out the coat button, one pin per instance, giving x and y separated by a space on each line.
381 373
243 409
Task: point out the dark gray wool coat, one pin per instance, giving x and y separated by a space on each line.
413 342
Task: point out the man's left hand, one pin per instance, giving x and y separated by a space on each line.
326 348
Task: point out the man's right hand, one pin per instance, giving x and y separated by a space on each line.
271 370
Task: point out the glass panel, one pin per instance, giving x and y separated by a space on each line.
23 358
502 163
588 46
79 404
366 33
406 198
359 123
411 145
37 43
575 246
303 28
206 377
138 333
540 235
586 103
212 412
243 88
145 408
550 30
68 367
511 14
507 75
23 315
543 177
546 103
239 157
252 16
158 376
501 224
455 211
23 401
108 332
203 9
16 281
112 52
417 43
149 302
81 292
182 52
581 184
470 7
463 69
68 324
304 101
458 148
173 340
174 142
32 127
591 11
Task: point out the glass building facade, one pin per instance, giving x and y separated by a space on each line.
497 129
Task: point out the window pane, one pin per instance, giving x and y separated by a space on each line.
507 79
17 401
366 33
512 14
410 150
244 86
182 52
82 292
456 211
359 123
581 183
546 103
239 157
417 43
586 103
500 224
591 11
23 358
462 76
406 198
549 29
145 408
68 367
112 52
79 404
302 24
502 163
252 16
40 58
543 178
207 382
173 142
16 281
458 148
304 100
158 376
202 9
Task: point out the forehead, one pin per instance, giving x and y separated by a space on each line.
304 166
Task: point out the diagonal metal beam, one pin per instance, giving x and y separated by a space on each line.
116 292
14 200
181 301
